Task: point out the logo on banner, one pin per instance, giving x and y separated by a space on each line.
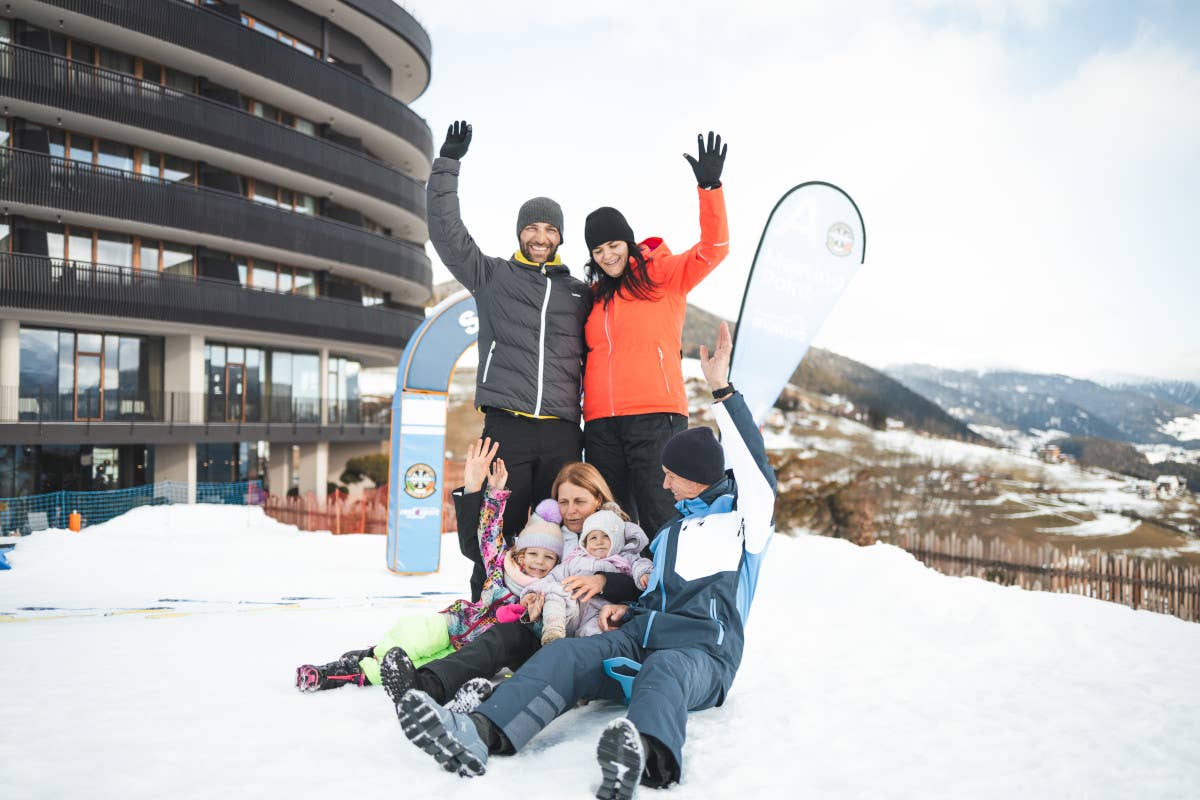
840 239
420 481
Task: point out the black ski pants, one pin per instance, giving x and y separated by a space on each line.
508 644
628 452
534 450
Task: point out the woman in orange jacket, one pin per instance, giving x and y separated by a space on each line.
633 394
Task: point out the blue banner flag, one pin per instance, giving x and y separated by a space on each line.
812 244
416 471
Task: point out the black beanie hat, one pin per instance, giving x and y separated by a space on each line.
695 454
605 225
540 209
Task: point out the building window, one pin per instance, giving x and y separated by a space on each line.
371 296
267 111
259 26
268 276
342 390
78 375
269 194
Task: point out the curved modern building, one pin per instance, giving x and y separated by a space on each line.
213 220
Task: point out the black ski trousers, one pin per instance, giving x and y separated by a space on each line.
628 452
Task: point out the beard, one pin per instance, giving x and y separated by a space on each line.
529 256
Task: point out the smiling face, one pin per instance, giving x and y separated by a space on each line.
612 258
576 504
539 242
597 544
536 562
681 488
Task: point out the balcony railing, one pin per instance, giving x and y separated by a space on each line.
47 284
214 34
54 81
186 408
40 180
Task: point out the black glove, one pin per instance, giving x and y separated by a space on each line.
712 160
458 139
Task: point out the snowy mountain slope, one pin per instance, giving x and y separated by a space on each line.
865 675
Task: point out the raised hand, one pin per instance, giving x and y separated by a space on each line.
458 139
498 475
716 367
711 161
479 456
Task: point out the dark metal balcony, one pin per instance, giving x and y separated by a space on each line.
152 416
53 81
214 34
37 282
398 21
36 179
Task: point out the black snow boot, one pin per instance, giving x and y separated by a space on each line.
621 758
335 674
397 673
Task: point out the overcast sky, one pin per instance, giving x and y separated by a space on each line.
1028 171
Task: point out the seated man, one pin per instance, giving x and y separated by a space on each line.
686 630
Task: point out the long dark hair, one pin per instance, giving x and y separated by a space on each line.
635 282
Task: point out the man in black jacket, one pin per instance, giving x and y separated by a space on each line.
531 349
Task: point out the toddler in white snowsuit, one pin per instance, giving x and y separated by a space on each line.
608 543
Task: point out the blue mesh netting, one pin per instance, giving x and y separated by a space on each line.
40 511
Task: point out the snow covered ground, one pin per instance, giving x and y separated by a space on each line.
865 675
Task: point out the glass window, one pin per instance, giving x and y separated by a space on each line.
82 148
304 283
5 237
371 296
287 199
115 249
149 255
264 276
305 126
112 383
254 384
266 193
87 386
178 259
214 357
114 155
306 386
83 53
285 279
307 49
39 363
58 144
5 30
152 71
281 387
181 81
66 376
306 204
79 247
55 244
178 169
114 60
90 343
265 29
149 164
243 271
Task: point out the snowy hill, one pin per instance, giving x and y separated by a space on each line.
153 657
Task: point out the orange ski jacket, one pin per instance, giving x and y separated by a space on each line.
634 346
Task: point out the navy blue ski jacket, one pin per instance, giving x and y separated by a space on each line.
707 560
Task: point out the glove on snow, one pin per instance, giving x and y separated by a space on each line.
458 139
712 159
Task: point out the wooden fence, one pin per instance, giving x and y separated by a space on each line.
1152 584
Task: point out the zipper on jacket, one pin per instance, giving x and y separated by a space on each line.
612 405
488 365
663 368
537 409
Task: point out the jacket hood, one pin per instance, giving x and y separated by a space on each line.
654 247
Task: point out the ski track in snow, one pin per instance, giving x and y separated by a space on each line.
865 675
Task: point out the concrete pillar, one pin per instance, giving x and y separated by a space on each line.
324 384
183 377
10 369
342 452
176 462
279 470
314 469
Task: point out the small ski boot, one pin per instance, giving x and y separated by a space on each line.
335 674
470 696
397 673
621 758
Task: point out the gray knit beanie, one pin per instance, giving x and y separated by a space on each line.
609 523
695 454
540 209
541 533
